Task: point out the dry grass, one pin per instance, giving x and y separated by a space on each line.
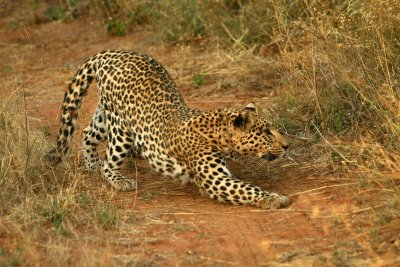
44 208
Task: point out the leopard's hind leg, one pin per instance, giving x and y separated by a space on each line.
94 134
119 145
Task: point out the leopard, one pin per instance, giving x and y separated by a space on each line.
141 111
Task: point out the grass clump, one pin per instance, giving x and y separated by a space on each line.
25 178
55 213
179 21
346 78
198 79
116 27
55 13
22 167
106 216
41 207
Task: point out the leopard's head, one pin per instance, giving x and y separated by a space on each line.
251 134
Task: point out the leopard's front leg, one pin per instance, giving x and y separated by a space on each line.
214 180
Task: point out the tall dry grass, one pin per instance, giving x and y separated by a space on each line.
43 208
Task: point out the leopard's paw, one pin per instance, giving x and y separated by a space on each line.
124 185
273 201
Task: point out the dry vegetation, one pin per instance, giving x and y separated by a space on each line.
334 69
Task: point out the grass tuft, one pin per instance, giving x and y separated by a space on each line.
107 216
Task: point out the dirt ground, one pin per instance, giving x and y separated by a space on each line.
166 224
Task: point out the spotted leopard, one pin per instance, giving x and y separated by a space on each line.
141 109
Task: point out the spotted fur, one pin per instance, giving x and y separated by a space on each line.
140 109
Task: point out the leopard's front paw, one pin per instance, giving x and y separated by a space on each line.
124 185
273 201
203 192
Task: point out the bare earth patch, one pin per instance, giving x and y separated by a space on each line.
334 219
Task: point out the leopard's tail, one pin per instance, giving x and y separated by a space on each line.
73 97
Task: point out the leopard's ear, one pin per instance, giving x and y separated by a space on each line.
245 120
256 109
251 107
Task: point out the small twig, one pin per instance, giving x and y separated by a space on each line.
174 194
346 213
26 125
330 145
343 213
369 208
299 137
29 153
320 188
288 157
28 148
237 41
235 212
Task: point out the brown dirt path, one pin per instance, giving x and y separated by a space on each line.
163 223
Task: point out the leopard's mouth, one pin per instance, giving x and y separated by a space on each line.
269 156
